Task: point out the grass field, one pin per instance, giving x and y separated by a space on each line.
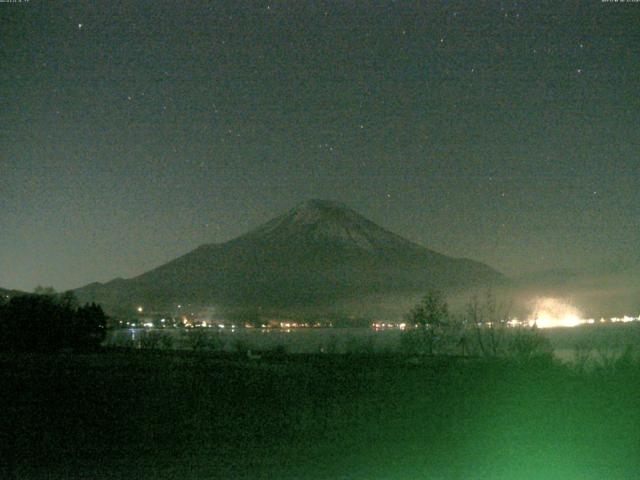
166 415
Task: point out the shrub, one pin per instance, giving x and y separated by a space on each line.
197 340
166 341
241 346
529 344
150 339
431 317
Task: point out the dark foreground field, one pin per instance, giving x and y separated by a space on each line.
151 415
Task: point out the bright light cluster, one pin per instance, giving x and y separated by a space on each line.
552 312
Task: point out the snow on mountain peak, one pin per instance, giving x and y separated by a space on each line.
325 220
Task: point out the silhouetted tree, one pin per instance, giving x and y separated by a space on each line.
48 291
68 300
489 320
89 329
32 323
49 322
431 316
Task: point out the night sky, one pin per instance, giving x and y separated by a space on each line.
132 132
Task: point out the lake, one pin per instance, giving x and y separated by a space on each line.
299 340
595 341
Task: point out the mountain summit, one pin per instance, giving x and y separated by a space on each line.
327 221
319 253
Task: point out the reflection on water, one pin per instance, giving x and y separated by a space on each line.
592 341
303 340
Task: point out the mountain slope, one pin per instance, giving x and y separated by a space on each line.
315 254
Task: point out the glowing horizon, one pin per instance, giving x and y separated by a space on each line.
550 312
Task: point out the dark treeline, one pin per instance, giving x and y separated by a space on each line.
48 322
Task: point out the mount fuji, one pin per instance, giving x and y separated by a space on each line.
319 253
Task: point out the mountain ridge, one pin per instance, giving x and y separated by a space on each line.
315 254
8 293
